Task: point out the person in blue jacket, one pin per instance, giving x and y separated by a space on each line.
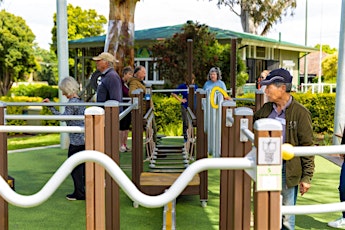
184 102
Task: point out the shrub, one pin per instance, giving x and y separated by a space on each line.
167 114
35 90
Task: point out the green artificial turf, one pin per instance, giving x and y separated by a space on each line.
32 169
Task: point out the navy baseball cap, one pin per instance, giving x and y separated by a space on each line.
278 75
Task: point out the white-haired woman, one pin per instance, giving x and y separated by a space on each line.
214 79
70 88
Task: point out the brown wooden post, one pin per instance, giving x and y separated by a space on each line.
226 212
259 99
239 183
94 173
190 59
267 199
201 144
112 190
191 98
137 137
3 169
233 66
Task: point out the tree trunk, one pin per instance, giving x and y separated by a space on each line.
6 83
120 35
247 22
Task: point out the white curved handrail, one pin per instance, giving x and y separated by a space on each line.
318 150
121 179
313 209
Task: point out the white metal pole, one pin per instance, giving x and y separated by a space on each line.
339 114
62 53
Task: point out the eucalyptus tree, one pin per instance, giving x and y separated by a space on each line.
259 14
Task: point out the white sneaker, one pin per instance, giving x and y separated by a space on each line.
123 149
339 223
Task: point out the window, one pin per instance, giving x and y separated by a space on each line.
260 52
152 74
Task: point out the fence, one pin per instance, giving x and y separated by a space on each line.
242 160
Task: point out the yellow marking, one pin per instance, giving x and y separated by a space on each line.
213 92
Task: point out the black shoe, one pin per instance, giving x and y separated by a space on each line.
74 197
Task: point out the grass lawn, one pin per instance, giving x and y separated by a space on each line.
31 170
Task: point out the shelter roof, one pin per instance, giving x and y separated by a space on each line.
224 36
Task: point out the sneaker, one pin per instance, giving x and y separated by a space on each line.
123 149
339 223
73 197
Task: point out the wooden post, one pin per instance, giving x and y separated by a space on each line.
94 173
201 144
191 98
233 66
3 169
226 212
259 99
242 181
238 182
137 137
268 140
112 190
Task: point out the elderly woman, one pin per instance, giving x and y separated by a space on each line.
214 79
70 87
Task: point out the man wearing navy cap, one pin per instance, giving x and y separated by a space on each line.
297 130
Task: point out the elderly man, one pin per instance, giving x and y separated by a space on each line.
297 130
110 85
137 82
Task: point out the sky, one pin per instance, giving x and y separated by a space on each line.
323 21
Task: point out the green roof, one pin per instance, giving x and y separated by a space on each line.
168 31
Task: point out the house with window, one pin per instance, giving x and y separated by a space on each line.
258 52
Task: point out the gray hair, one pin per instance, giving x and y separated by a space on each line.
69 86
126 70
288 86
217 71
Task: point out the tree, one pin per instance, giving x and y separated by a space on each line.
326 48
330 67
47 70
120 36
81 24
16 50
171 55
262 14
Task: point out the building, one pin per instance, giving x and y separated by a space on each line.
258 52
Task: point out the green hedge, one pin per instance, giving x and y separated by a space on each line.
35 90
168 111
25 109
321 106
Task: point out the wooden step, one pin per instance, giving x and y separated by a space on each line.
163 179
169 146
169 151
169 163
167 167
166 170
